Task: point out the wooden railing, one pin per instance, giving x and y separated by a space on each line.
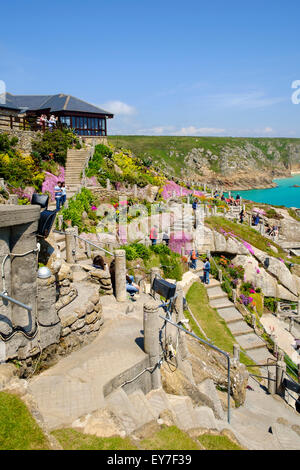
25 124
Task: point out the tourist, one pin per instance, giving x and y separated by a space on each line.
206 270
256 219
194 257
58 195
63 194
274 231
238 198
223 198
131 287
194 205
154 235
99 263
242 215
52 122
166 237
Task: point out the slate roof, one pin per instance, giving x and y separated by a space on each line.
55 103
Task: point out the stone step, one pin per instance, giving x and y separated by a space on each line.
230 314
260 356
211 397
288 439
204 417
221 303
118 402
212 283
239 328
215 291
158 401
142 407
183 409
250 341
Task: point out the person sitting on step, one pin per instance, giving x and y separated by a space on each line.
99 263
131 287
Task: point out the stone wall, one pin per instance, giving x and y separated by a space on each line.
25 138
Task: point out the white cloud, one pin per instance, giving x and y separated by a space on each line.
191 130
268 130
250 100
119 108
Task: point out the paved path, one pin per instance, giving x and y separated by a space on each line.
74 386
285 339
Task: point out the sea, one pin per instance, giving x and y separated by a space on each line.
285 194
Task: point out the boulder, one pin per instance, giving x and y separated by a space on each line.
278 269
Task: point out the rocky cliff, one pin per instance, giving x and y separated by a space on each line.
236 163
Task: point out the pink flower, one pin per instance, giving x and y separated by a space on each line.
258 271
252 291
94 208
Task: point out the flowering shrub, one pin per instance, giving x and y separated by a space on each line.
51 180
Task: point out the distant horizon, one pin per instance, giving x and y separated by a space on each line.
202 69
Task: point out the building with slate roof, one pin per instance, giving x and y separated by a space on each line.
87 119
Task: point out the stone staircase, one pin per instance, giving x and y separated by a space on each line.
263 423
252 344
76 160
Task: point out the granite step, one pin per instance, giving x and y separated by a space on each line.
221 303
142 407
260 356
158 401
204 417
239 328
250 341
118 402
230 314
183 410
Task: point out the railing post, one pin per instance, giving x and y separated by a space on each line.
120 275
60 221
271 381
153 273
11 121
220 275
236 352
280 374
179 302
70 245
151 340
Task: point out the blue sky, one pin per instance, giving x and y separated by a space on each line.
163 67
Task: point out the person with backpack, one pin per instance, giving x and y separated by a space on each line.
154 235
194 259
206 270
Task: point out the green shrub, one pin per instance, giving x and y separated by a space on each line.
271 303
56 143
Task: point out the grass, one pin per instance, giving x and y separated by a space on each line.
75 440
250 235
169 438
18 429
213 325
211 442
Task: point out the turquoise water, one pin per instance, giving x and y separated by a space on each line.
283 195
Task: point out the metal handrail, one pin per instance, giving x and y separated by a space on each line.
213 347
93 244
